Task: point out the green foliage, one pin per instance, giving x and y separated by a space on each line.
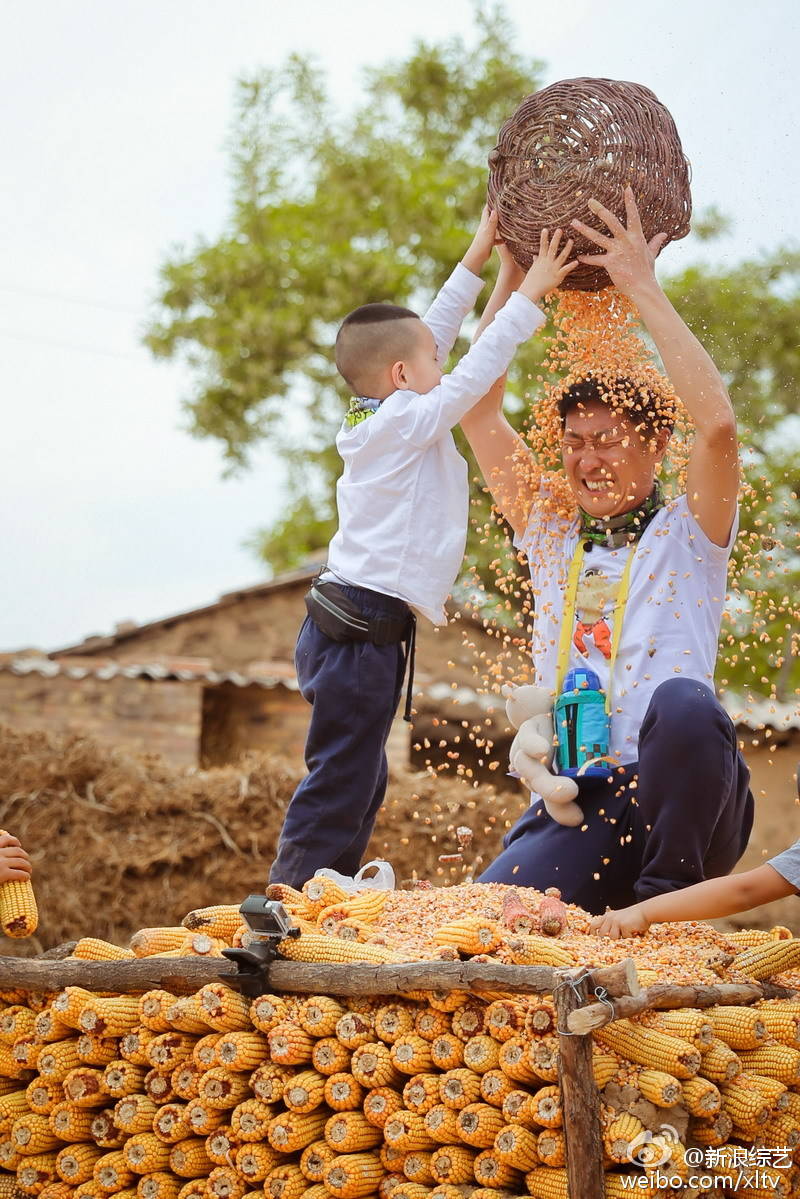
333 210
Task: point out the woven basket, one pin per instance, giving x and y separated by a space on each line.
581 138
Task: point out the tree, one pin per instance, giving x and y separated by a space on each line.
333 210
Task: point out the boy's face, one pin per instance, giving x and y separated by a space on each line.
420 370
610 466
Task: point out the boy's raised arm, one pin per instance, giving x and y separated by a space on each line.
458 295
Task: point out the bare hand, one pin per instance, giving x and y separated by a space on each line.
15 865
483 242
549 269
628 258
626 922
509 265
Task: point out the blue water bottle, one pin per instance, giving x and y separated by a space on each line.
581 726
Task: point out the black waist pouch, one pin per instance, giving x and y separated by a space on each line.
335 614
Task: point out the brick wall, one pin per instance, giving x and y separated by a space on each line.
132 714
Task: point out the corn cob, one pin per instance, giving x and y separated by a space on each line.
546 1109
408 1131
195 1188
109 1017
32 1134
619 1136
202 945
112 1173
133 1047
13 1106
103 1131
687 1023
543 1057
220 921
762 961
269 1081
203 1118
495 1086
417 1168
122 1078
289 1132
223 1009
319 893
96 1051
745 1104
421 1093
372 1065
775 1061
412 1054
305 1092
453 1164
204 1052
75 1163
186 1015
351 1175
330 1056
471 935
505 1018
515 1145
19 915
458 1088
57 1059
311 948
289 1045
351 1132
343 1093
514 1060
241 1050
775 1093
185 1080
168 1049
249 1120
84 1087
170 1123
36 1171
24 1052
649 1047
52 1190
700 1097
393 1020
68 1005
153 1010
355 1029
738 1027
225 1183
134 1113
10 1157
159 1185
446 1051
91 949
255 1161
781 1024
518 1108
551 1147
538 951
491 1172
43 1096
478 1125
284 1182
70 1123
16 1021
145 1153
445 1001
149 941
540 1017
481 1054
392 1159
48 1027
221 1089
719 1062
780 1129
441 1124
430 1024
380 1103
188 1159
158 1085
315 1159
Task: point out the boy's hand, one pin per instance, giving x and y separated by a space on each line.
629 258
626 922
15 865
483 242
550 268
509 267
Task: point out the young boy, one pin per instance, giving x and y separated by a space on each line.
776 879
403 506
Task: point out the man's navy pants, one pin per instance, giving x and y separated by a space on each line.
680 814
354 688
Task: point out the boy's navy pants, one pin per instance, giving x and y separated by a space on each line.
680 814
354 688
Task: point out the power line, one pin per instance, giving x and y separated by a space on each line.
66 345
36 293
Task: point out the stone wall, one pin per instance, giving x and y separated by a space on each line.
139 715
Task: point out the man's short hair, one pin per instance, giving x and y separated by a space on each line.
371 338
650 410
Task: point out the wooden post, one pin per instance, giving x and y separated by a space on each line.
579 1098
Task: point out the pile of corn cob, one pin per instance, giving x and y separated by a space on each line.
436 1097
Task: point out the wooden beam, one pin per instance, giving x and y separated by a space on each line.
580 1100
666 995
323 978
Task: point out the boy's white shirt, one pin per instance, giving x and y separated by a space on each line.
403 498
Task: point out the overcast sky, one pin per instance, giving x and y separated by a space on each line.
113 120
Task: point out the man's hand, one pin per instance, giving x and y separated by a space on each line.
626 922
549 270
628 258
483 242
15 865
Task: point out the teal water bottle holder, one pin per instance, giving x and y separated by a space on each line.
582 726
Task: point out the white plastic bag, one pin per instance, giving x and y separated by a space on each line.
375 876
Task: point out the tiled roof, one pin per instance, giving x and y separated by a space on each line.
183 670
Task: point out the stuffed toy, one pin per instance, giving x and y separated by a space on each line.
530 711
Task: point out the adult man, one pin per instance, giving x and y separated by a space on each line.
674 807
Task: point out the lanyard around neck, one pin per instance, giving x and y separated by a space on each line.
567 620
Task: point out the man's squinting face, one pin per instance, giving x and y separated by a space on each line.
421 370
610 467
